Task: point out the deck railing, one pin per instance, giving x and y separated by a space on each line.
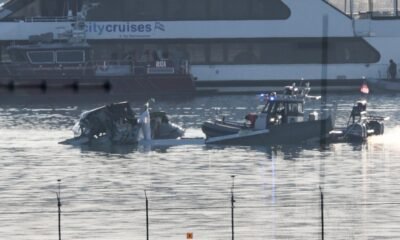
51 19
95 68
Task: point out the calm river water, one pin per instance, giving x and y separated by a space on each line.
276 187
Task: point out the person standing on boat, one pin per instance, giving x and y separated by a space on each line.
392 70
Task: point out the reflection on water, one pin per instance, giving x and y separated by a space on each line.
276 187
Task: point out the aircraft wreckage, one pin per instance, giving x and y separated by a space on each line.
117 123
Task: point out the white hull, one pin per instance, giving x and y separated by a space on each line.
305 21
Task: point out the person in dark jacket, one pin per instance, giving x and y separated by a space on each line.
392 70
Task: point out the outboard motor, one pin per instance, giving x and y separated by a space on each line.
356 132
377 126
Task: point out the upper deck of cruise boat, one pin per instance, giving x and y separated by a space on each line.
182 19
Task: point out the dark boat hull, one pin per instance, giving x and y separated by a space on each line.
293 133
220 128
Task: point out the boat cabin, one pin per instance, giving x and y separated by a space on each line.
280 110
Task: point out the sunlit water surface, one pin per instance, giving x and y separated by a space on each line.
189 187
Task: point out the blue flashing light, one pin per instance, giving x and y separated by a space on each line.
263 97
272 98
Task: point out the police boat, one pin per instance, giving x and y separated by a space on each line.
282 120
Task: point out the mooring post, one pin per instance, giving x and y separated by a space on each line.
232 207
147 215
322 213
59 208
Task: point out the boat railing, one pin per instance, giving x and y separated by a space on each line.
144 67
382 71
98 68
379 71
51 19
46 71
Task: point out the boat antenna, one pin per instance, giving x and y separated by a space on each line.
232 207
68 8
59 208
301 82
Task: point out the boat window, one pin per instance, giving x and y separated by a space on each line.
280 108
164 10
196 53
295 108
237 9
271 9
142 9
254 51
216 9
216 53
241 53
234 51
269 107
265 108
176 9
71 56
196 9
18 56
41 57
4 56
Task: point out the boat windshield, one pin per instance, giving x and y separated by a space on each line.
273 107
267 108
291 108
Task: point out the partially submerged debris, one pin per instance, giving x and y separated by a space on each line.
117 124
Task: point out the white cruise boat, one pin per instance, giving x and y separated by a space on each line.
232 45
